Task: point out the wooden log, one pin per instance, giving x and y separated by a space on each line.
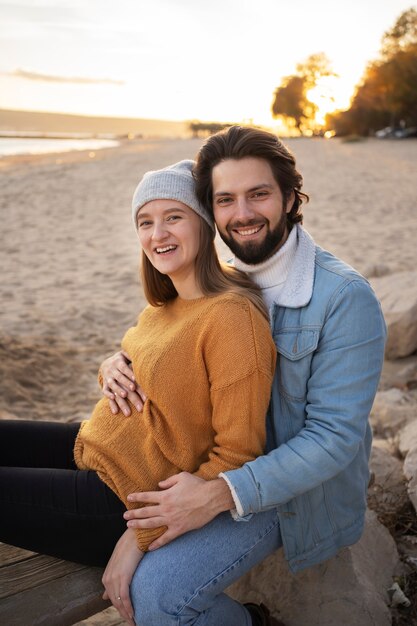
39 590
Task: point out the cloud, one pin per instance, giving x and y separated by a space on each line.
47 78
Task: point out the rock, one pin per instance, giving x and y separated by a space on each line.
401 373
348 589
407 546
410 471
407 439
6 415
398 296
392 409
408 447
387 492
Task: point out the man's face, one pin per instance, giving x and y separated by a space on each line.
249 208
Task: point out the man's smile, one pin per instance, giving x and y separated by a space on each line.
247 231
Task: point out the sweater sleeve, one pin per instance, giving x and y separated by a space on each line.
240 359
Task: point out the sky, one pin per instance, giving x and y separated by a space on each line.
181 59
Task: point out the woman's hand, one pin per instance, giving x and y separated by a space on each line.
119 573
119 384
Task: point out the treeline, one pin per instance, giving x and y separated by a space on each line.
204 129
387 96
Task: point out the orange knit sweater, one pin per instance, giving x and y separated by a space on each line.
206 366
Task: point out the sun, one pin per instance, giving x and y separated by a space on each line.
330 94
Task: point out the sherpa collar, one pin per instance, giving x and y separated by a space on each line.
298 286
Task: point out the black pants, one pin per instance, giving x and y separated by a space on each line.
46 504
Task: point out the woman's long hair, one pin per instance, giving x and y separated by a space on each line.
213 277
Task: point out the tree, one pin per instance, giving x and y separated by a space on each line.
401 36
387 95
316 66
291 99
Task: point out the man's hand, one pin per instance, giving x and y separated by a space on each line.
119 573
187 502
119 384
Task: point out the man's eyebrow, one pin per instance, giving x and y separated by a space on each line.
256 188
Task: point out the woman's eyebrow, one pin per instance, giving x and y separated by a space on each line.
170 210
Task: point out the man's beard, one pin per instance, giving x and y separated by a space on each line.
253 253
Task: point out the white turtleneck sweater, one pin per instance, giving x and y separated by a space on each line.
272 273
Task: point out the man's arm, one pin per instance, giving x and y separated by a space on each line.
345 373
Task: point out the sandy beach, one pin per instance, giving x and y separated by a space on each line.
69 253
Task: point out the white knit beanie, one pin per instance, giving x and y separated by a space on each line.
175 182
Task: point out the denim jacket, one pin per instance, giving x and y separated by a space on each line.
330 335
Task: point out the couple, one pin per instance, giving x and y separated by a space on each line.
204 361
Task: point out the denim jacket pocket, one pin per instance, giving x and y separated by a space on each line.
295 349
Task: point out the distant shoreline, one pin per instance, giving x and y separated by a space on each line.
27 134
17 122
24 144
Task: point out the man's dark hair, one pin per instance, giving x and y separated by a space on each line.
238 142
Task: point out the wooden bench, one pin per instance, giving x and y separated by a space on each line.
39 590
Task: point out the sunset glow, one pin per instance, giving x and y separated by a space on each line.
330 94
180 59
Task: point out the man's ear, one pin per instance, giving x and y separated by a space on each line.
290 201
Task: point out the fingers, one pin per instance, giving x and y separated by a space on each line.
149 522
117 368
116 401
126 382
125 606
118 387
121 601
123 405
124 395
127 357
136 400
142 513
114 407
150 497
169 482
123 372
141 393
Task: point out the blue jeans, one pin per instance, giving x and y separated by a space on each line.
183 582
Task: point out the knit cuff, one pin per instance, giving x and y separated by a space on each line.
145 536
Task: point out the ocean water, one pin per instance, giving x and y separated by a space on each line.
12 145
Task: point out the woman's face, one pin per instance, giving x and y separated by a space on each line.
169 232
